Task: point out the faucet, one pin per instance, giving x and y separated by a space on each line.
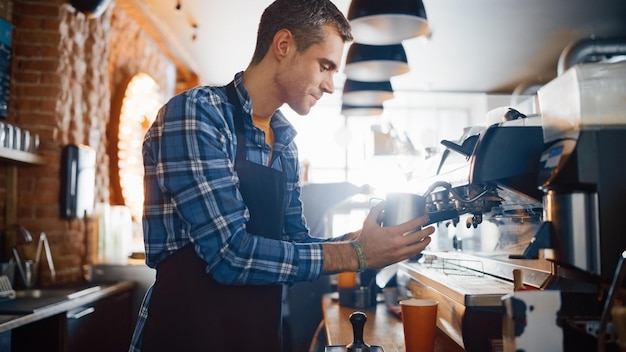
8 247
43 240
7 242
4 243
29 269
19 229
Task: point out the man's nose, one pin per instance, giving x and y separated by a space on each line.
328 85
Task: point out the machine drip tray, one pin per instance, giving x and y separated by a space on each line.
467 287
472 280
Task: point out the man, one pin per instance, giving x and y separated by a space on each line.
223 222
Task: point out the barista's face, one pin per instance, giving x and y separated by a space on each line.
304 77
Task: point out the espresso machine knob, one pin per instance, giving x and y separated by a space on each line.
474 221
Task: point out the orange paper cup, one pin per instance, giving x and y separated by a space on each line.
419 320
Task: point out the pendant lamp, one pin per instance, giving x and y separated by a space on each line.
375 63
366 93
383 22
370 110
91 8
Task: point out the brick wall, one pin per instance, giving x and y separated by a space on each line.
66 69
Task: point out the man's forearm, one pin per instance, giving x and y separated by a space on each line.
339 257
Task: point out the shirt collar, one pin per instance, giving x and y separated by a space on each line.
284 132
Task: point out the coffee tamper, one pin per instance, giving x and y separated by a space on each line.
358 320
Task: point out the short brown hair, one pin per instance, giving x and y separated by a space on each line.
305 19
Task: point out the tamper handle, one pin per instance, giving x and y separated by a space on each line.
358 320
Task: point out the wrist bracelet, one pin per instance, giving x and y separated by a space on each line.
360 255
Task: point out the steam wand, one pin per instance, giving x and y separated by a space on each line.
457 196
618 278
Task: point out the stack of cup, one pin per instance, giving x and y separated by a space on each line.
17 138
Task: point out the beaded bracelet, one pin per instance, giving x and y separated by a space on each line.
360 255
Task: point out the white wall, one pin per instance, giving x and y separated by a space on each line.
342 149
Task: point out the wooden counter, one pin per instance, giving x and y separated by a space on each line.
382 328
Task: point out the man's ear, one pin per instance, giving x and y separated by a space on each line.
283 43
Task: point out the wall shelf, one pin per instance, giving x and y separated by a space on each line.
14 158
19 157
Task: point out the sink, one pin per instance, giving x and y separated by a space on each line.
42 293
84 291
30 300
69 293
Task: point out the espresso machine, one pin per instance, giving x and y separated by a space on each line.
532 203
582 166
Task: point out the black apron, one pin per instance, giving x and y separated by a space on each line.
189 310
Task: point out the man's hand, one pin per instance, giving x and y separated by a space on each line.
381 246
387 245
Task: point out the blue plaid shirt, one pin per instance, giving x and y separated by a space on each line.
191 194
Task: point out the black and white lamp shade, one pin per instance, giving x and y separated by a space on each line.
366 93
369 110
383 22
375 63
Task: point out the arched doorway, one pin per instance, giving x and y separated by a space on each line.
137 106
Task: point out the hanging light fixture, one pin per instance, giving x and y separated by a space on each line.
366 93
379 22
91 8
369 110
375 63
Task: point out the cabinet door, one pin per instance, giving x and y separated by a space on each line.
103 326
43 335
